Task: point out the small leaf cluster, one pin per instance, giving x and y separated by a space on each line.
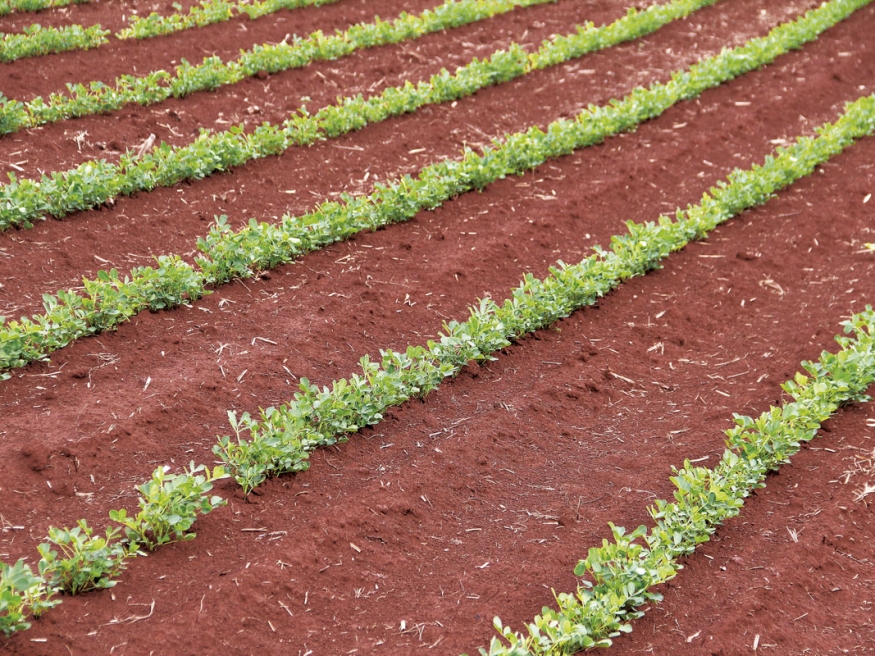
22 593
9 6
206 13
621 572
96 97
106 302
169 505
36 40
76 560
85 561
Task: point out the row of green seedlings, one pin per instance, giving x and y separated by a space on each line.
10 6
156 86
208 12
96 181
109 300
622 573
36 40
280 440
76 560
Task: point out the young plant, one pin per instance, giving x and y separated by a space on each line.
22 593
86 562
169 505
36 40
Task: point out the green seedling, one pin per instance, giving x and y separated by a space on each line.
169 505
74 560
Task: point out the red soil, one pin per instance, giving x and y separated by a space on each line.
479 500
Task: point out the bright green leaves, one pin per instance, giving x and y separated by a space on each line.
621 572
95 97
36 40
85 561
169 505
75 560
280 441
22 593
9 6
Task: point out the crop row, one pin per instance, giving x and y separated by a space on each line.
208 12
36 40
281 439
168 507
110 300
156 86
623 572
9 6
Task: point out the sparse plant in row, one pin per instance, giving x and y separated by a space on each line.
36 40
281 439
76 560
9 6
208 12
621 573
97 97
22 593
169 505
110 300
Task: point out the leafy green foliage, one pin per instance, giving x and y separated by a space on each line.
85 562
108 302
169 505
22 593
207 13
620 573
75 560
9 6
36 40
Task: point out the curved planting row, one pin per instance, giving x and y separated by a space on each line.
623 572
169 505
36 40
208 12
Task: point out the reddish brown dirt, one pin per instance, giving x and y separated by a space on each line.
477 501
